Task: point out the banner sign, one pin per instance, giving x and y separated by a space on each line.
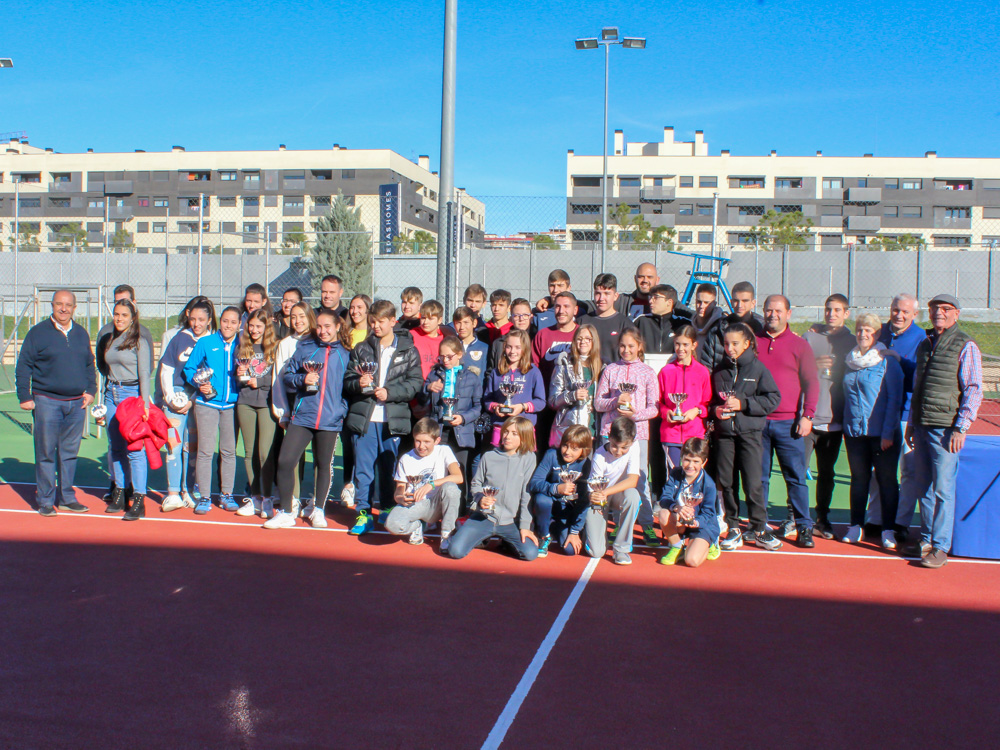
388 204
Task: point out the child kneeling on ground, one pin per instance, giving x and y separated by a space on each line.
427 486
560 503
688 508
500 489
616 465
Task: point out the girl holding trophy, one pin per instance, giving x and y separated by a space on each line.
515 387
574 382
685 393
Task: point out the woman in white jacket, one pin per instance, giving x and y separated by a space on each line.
581 364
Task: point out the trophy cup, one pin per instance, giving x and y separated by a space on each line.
678 398
598 484
629 389
449 408
368 368
244 362
178 400
99 412
725 396
509 389
413 481
689 499
311 365
488 499
582 384
202 376
568 475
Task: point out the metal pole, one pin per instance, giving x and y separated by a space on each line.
715 219
220 260
446 183
105 246
201 214
989 282
17 246
604 173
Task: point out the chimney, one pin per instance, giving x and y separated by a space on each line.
424 162
336 146
668 134
930 155
724 152
90 150
177 149
48 150
570 152
868 156
773 152
819 153
699 136
619 143
281 147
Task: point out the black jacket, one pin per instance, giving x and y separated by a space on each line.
755 388
658 331
713 352
403 382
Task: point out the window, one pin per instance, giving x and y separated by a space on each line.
143 201
59 202
862 182
62 177
251 178
891 211
28 177
953 184
659 181
187 226
750 182
629 182
199 176
751 210
229 226
991 212
633 210
95 203
891 183
708 182
912 184
704 209
686 209
322 174
684 237
291 226
586 181
161 176
159 227
687 181
704 238
161 201
586 236
787 209
958 213
347 174
228 176
960 241
30 202
294 201
229 202
254 202
833 183
249 228
142 227
788 183
322 200
991 185
911 212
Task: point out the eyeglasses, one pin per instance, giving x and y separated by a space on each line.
449 357
520 316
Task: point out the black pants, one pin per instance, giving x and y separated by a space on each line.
657 460
741 454
865 454
297 438
827 447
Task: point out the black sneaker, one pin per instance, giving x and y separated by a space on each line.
787 528
75 507
46 510
732 540
823 528
766 540
750 536
806 537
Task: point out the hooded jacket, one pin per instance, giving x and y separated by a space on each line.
754 387
326 408
212 351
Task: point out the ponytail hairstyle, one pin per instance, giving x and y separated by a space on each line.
745 331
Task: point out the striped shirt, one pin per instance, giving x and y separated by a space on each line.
970 380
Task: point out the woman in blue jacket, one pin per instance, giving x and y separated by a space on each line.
318 418
215 409
873 391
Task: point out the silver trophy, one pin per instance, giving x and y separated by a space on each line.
244 362
449 408
569 475
509 389
99 412
582 384
311 365
368 368
725 396
628 389
413 482
598 484
488 499
202 376
689 499
678 413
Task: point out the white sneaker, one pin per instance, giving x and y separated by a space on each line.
317 518
281 520
445 543
267 507
888 540
854 535
247 508
171 502
347 495
187 499
417 537
296 507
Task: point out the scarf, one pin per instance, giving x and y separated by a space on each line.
858 361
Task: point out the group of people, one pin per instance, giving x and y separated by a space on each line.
561 422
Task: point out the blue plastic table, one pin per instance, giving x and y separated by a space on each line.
977 499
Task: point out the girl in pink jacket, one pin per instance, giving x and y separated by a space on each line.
684 374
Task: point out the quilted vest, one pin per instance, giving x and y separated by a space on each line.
936 392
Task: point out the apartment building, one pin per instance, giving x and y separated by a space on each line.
951 203
247 201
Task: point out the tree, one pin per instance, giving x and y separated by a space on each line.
295 239
122 240
774 231
420 242
639 234
544 242
71 235
343 247
902 242
27 237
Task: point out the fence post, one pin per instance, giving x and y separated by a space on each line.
166 295
531 268
850 275
784 271
756 268
989 281
920 273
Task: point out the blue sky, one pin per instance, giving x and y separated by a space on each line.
848 78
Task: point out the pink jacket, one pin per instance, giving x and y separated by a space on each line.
644 400
696 381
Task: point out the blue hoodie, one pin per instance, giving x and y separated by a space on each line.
212 351
326 408
707 513
545 480
905 345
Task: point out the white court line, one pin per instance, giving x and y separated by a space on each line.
509 712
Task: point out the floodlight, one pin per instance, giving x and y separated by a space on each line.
586 44
634 42
609 34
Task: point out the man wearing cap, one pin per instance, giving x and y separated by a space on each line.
947 391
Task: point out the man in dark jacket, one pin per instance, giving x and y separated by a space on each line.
56 381
744 302
379 412
659 324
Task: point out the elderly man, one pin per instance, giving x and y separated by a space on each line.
947 391
56 381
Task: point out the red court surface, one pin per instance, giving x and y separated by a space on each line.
172 632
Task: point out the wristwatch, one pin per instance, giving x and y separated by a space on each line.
962 430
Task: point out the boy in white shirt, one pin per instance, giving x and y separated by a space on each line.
617 462
434 495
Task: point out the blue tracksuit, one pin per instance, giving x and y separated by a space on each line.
212 351
904 344
555 517
707 513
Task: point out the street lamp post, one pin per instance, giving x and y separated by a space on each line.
609 36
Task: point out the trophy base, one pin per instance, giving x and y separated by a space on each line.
211 395
506 410
312 389
244 379
676 417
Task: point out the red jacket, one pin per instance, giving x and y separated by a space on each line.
142 432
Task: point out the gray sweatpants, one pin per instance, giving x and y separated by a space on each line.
441 503
595 525
213 423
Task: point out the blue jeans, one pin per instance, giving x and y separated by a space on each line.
479 528
180 467
129 467
778 438
932 484
375 455
57 431
554 517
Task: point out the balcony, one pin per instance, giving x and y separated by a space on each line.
657 194
864 195
319 210
119 212
293 210
791 193
118 187
629 191
836 194
831 221
294 183
946 222
95 211
864 223
660 220
587 192
65 187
